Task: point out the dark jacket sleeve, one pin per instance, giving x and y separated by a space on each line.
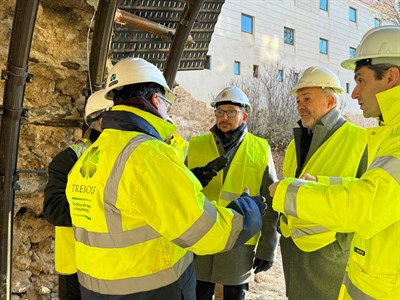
268 242
55 206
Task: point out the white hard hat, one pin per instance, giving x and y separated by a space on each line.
234 95
381 44
318 76
95 105
135 70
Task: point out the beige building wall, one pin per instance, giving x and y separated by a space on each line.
266 45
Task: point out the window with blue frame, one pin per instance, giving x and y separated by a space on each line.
236 68
352 52
280 75
377 22
352 14
247 23
323 46
323 5
288 35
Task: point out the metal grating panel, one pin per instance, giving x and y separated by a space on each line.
127 41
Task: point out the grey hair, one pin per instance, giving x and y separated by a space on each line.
332 92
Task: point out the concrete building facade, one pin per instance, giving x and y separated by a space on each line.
292 33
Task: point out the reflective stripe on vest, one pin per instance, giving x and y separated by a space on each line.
117 238
333 180
127 286
390 164
354 292
309 236
64 242
246 168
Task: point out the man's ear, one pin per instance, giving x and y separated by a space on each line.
155 101
331 101
393 77
245 116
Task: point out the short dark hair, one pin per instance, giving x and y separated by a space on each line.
144 89
379 69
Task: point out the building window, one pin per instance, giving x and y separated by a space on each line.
323 5
247 23
352 52
323 46
236 68
207 63
295 77
280 75
255 71
377 22
288 36
347 88
352 14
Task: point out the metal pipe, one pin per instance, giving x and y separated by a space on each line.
101 43
132 20
182 32
16 77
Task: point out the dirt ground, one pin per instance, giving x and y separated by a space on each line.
269 285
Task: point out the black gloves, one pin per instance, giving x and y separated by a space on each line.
206 173
261 265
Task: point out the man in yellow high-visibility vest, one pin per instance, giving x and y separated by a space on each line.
314 257
137 211
369 206
249 164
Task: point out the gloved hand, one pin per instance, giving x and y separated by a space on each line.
261 265
259 200
251 208
206 173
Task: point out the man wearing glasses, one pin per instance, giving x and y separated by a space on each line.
249 165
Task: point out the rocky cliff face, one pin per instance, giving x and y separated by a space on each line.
54 103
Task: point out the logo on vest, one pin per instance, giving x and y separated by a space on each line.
359 251
89 163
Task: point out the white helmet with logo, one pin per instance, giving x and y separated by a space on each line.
233 95
318 77
95 105
380 44
133 70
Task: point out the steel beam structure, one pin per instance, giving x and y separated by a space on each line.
16 77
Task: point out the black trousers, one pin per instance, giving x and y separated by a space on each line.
205 291
68 287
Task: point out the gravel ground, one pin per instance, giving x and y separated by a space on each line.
269 285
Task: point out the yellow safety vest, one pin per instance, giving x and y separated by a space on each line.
127 194
246 169
340 155
64 243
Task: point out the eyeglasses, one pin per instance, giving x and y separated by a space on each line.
167 102
231 113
